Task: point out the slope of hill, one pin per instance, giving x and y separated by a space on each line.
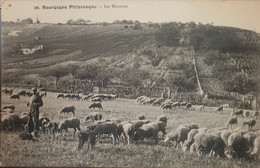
149 55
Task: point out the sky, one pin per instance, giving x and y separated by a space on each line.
235 13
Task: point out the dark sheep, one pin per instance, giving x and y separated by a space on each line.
8 91
140 117
96 105
237 112
178 136
166 106
87 136
209 143
256 114
231 121
176 104
15 96
61 95
67 110
22 93
162 118
188 105
183 103
106 128
237 146
70 123
220 108
139 123
147 131
250 123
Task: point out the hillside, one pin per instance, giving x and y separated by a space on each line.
134 55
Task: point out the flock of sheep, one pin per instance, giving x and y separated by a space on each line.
222 142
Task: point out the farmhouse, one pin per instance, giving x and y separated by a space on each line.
14 33
31 50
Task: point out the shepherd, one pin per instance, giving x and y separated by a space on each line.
34 105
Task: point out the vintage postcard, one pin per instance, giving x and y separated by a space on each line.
130 83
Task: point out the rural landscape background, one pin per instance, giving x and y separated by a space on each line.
201 63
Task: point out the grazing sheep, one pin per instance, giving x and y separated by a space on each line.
140 98
87 136
220 108
15 96
237 146
140 117
9 107
255 114
161 125
139 123
158 101
188 105
96 105
250 137
148 101
10 122
250 123
224 135
23 119
147 131
237 112
106 128
246 114
8 91
209 143
166 106
129 130
70 123
67 110
178 136
256 149
96 99
190 139
176 104
190 126
120 129
200 108
84 98
61 95
183 103
162 118
22 93
93 116
231 121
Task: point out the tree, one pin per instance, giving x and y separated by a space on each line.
240 84
57 72
70 22
169 34
27 21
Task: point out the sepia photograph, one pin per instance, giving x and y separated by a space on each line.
130 83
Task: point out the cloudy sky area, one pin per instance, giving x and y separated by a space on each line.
236 13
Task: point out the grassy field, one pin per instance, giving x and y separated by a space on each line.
62 151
